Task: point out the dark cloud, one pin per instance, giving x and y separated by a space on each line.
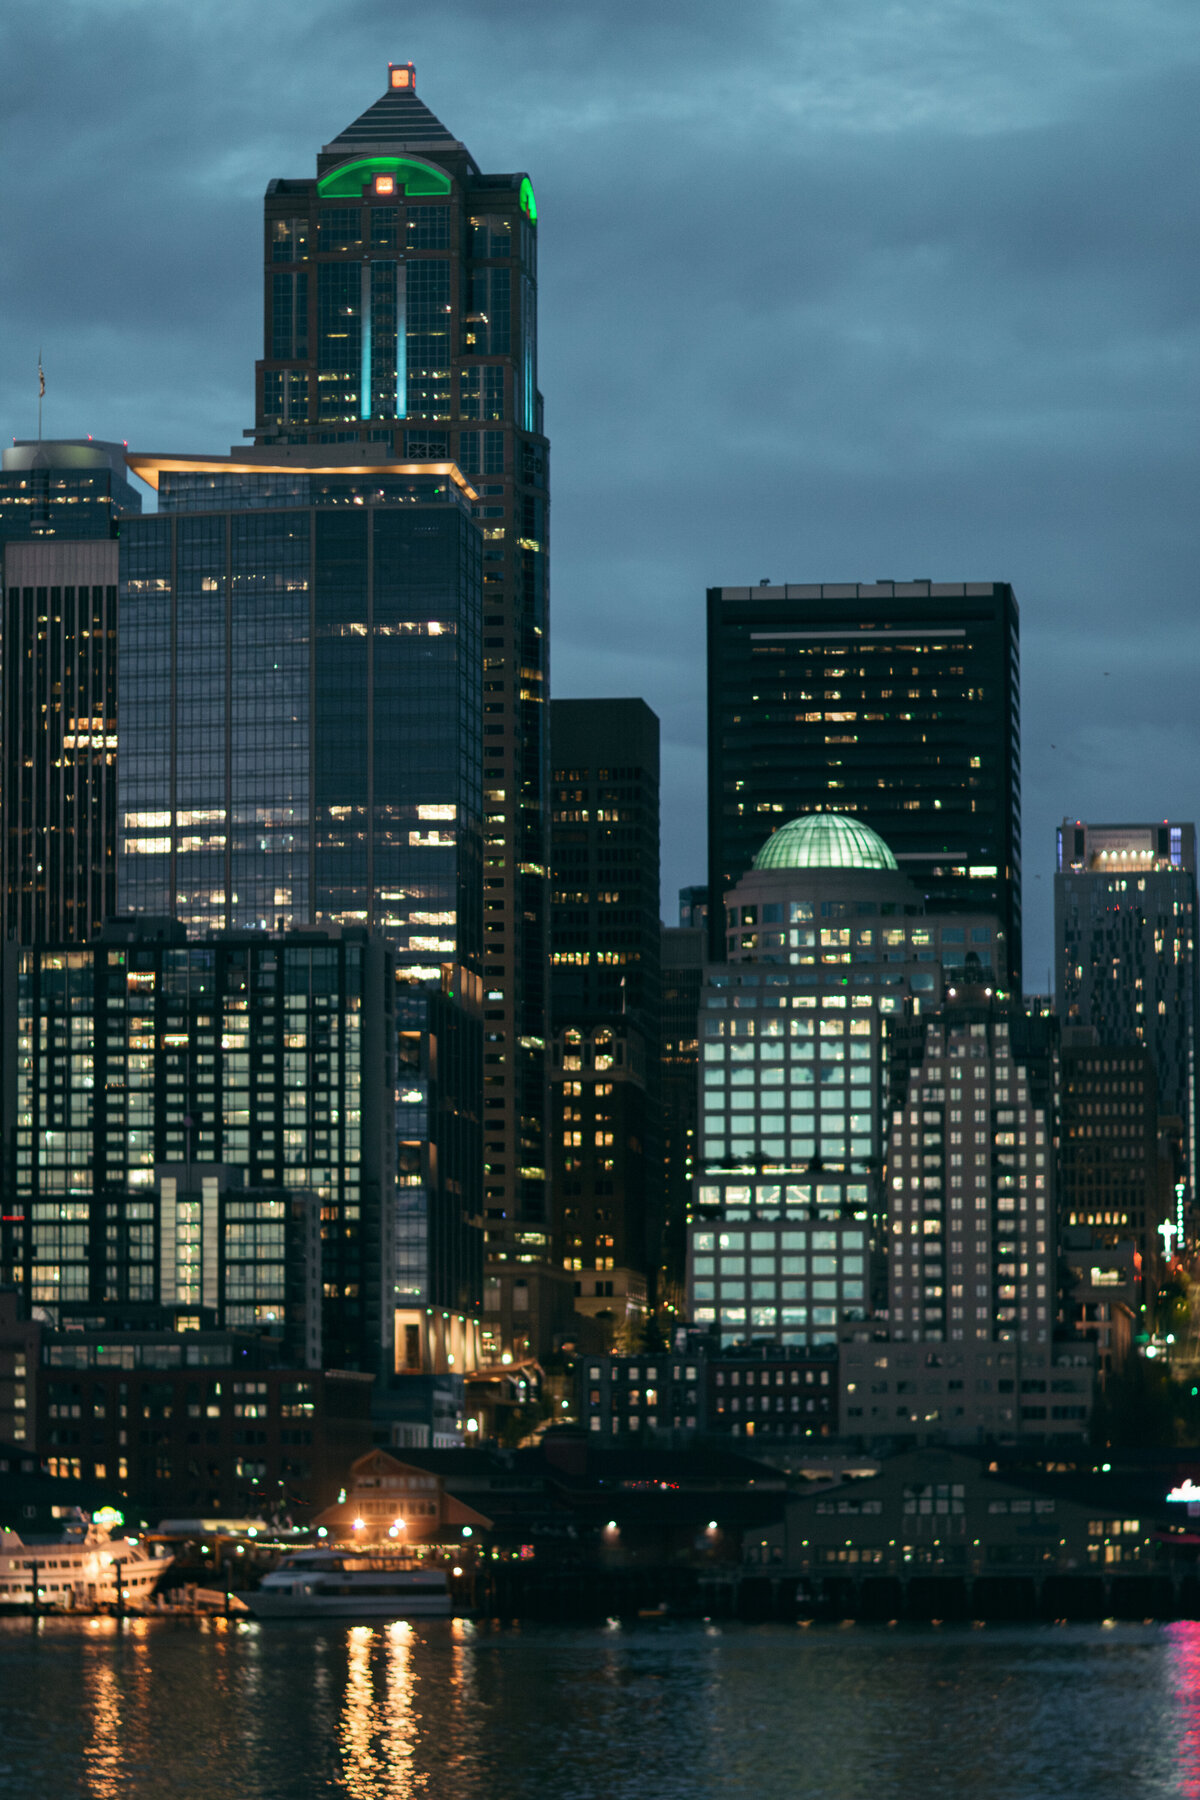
827 293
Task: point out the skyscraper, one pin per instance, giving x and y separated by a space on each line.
605 1000
894 702
1113 1183
971 1164
400 315
972 1263
64 488
300 685
300 649
259 1063
59 508
1125 949
828 943
683 958
58 731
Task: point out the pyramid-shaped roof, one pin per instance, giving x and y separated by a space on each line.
396 121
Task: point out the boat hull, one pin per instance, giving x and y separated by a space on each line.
76 1578
348 1606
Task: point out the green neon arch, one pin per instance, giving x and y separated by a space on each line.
526 200
346 181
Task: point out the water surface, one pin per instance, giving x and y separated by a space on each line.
210 1710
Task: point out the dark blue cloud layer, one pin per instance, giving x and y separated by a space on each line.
827 294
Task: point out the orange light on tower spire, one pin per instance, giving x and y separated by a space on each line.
402 76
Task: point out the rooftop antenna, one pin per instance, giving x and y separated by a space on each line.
41 392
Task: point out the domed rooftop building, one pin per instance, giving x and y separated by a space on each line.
826 942
825 841
821 865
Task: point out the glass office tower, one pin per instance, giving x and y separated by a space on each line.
400 316
300 685
828 944
300 681
897 703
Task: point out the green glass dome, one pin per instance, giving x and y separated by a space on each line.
825 841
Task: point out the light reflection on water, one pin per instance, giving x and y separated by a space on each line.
104 1751
1184 1640
228 1710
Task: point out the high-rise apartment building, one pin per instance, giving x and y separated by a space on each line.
971 1170
1125 951
400 324
144 1063
896 703
972 1237
828 943
605 999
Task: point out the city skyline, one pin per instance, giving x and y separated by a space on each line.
975 333
370 1129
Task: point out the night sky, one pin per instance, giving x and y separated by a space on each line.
829 292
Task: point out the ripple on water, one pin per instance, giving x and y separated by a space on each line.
163 1709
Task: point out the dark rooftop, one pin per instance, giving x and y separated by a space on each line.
398 120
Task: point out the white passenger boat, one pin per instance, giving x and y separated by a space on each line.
351 1584
78 1570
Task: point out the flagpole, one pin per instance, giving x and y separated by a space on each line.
41 394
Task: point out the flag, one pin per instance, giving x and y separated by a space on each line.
41 378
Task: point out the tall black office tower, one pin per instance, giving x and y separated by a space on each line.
605 1001
1125 906
895 702
683 957
400 316
60 503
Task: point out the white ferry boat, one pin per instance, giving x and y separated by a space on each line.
336 1584
78 1570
